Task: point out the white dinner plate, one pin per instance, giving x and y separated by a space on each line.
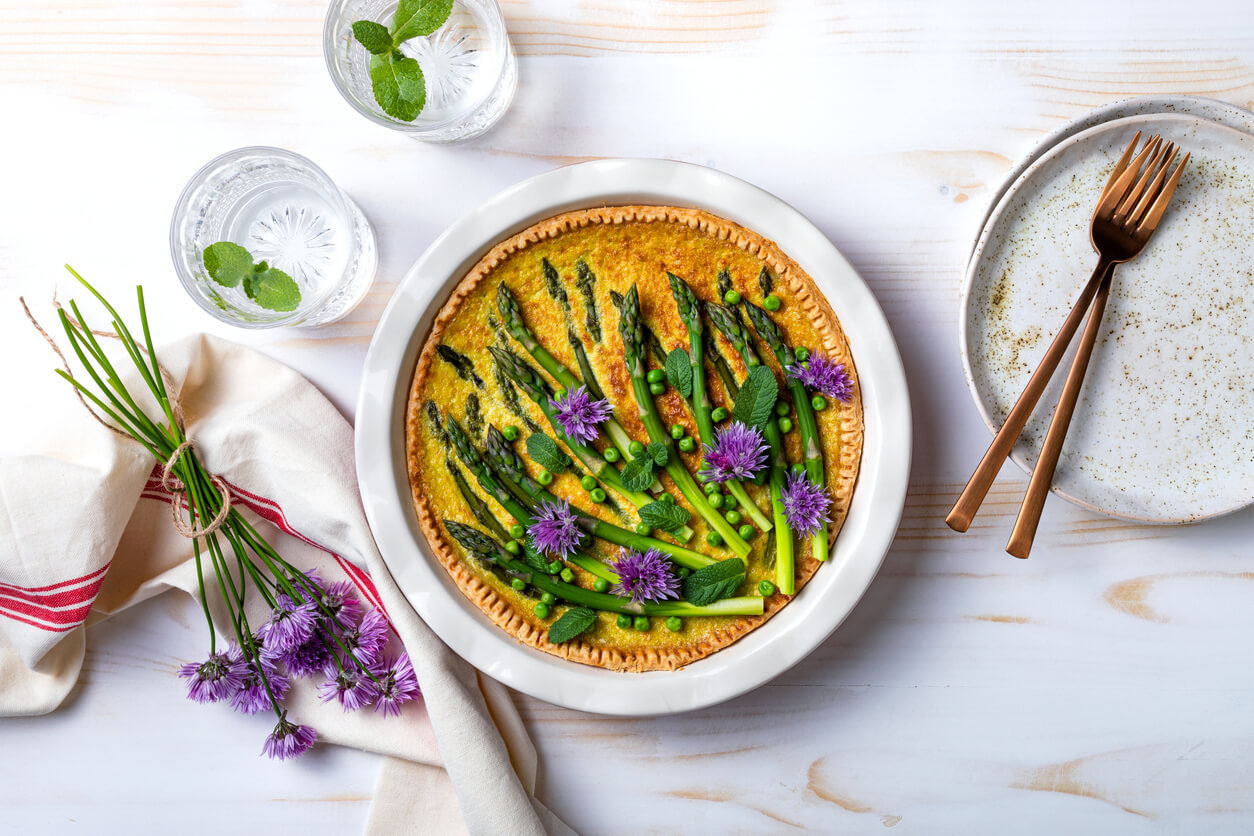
1161 432
764 653
1212 109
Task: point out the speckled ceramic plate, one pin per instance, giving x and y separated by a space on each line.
1212 109
1162 431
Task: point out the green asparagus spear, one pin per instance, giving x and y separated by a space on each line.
481 544
690 314
726 320
474 460
633 349
807 424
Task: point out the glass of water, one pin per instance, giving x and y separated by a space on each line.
468 65
285 211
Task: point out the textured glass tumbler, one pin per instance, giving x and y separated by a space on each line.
468 66
285 211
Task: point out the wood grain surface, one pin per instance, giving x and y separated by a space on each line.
1104 686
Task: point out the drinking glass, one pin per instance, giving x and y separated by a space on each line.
285 211
468 66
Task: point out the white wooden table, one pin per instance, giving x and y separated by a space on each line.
1104 686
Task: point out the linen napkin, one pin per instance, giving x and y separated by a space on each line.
459 760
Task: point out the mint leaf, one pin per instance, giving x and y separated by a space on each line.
638 474
534 560
373 36
415 18
575 621
679 371
705 586
228 264
545 452
398 85
757 397
658 452
665 515
273 289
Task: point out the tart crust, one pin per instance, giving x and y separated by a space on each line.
842 474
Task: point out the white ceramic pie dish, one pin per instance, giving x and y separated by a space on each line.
764 653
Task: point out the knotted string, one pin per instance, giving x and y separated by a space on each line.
168 481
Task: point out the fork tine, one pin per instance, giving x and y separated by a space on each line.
1134 217
1112 196
1143 179
1121 165
1156 210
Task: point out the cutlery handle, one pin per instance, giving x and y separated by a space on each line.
1043 474
960 516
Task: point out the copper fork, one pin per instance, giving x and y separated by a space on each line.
1128 211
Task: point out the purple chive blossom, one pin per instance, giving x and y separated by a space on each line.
351 687
367 639
579 413
397 684
738 452
555 529
806 504
214 679
288 740
290 625
645 576
340 600
251 696
820 373
312 657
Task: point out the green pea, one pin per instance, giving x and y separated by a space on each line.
798 468
801 353
643 529
766 588
588 483
732 297
675 623
542 610
512 547
657 388
716 500
601 585
687 444
548 598
677 431
517 531
555 566
640 624
655 376
719 414
624 621
596 495
510 432
710 488
544 477
785 424
682 572
519 584
819 403
732 517
668 499
635 448
714 538
611 454
771 303
567 575
746 532
781 407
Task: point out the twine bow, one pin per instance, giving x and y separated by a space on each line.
168 480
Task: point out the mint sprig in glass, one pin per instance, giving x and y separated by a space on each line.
437 70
